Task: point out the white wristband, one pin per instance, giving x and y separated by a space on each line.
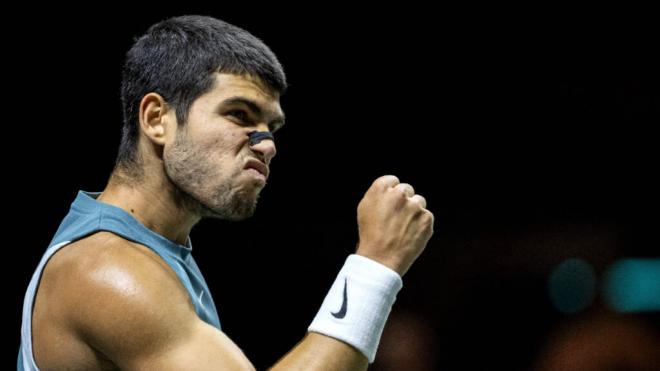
358 304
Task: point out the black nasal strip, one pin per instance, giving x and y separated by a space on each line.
257 136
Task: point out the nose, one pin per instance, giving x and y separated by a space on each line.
266 147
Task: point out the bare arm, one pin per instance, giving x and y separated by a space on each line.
319 352
394 230
132 309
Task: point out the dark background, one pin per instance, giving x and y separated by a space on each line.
533 139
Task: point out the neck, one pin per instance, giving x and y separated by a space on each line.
155 203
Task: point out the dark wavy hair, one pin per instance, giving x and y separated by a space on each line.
177 58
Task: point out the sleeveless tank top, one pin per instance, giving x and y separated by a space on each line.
88 216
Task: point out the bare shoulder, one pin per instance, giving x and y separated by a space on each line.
105 302
104 249
107 264
115 295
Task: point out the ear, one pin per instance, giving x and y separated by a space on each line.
155 116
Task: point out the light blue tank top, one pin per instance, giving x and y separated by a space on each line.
88 216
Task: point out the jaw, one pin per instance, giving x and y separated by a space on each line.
230 203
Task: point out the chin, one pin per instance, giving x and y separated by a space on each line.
239 207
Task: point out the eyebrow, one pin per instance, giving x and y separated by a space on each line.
277 123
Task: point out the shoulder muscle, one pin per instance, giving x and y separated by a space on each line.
130 306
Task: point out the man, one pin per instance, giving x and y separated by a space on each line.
118 287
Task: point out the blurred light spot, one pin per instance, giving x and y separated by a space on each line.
633 285
572 286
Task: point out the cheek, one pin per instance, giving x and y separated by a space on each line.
220 150
222 141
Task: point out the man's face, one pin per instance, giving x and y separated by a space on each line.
210 158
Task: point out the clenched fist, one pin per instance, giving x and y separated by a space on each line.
394 224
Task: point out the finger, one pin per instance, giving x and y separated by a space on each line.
406 188
386 181
420 200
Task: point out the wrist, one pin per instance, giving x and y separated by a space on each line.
388 261
358 304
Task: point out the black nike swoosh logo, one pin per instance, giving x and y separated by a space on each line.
344 305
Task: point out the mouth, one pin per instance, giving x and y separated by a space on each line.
258 168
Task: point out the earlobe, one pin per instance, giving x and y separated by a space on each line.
152 115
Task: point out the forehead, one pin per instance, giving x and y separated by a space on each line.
230 86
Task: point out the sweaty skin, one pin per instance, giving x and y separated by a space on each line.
105 303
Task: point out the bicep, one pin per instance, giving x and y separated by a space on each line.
134 311
152 332
202 348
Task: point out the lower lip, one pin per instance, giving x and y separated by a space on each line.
256 174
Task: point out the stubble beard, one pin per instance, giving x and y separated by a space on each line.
201 188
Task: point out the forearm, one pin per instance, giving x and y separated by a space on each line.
320 352
346 331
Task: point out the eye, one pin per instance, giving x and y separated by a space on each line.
239 114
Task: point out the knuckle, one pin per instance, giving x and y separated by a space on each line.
427 217
406 189
386 180
419 202
399 197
